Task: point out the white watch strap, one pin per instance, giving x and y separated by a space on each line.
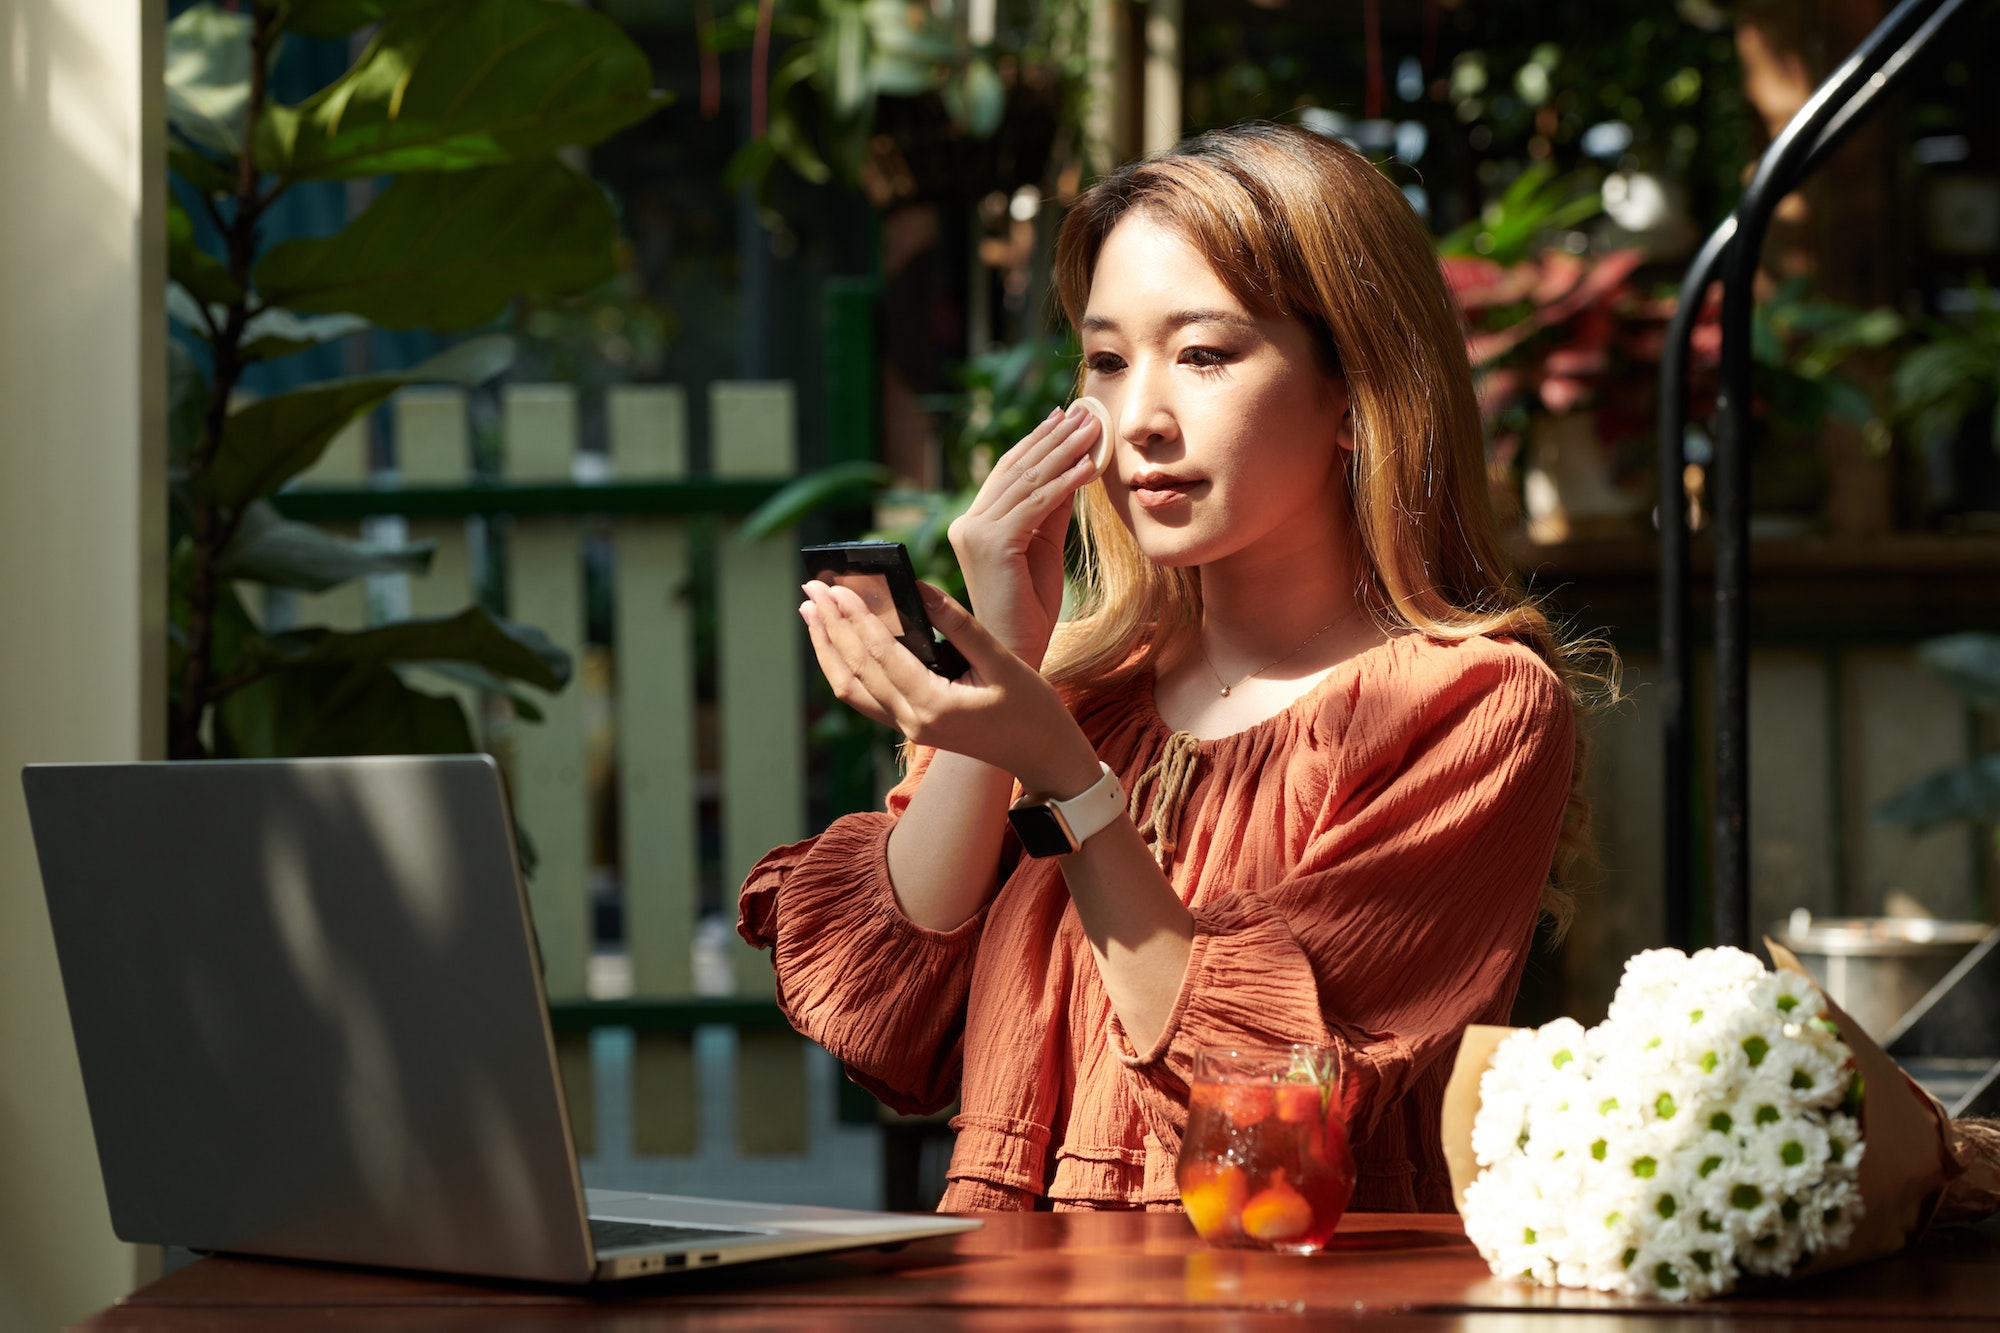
1094 809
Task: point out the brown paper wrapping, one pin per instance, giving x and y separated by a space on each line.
1919 1165
1461 1103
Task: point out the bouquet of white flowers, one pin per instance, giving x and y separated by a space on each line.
1709 1127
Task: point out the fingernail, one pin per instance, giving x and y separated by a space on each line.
1077 412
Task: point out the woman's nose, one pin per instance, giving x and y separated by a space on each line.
1144 411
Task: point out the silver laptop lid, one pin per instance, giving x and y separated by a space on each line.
308 1011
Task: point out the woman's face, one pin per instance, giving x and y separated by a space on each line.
1227 430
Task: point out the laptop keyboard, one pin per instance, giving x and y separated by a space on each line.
606 1234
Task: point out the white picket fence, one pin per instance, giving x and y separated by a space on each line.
760 781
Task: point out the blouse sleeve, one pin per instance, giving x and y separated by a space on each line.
883 994
1411 906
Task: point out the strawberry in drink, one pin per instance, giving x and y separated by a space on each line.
1265 1161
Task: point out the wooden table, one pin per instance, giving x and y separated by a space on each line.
1087 1271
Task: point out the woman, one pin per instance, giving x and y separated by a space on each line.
1330 745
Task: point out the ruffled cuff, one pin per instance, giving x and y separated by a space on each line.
885 995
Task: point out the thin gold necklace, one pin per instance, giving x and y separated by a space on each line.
1227 686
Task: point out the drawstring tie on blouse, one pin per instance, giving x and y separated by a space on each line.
1172 776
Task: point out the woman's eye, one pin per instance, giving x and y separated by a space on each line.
1103 363
1204 357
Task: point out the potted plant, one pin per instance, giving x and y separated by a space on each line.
1553 334
1566 349
457 110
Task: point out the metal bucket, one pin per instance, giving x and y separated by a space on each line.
1877 967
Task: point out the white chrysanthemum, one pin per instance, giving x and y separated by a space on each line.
1519 1071
1700 1131
1793 1151
1502 1207
1813 1074
1838 1209
1844 1146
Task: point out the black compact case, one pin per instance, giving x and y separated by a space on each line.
880 572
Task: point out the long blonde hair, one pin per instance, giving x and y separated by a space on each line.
1303 226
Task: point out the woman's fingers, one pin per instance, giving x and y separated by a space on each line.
1003 467
982 714
883 669
1041 487
1067 447
1037 467
834 666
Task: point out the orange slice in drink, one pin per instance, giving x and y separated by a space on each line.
1212 1192
1277 1212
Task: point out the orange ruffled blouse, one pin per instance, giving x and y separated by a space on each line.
1364 871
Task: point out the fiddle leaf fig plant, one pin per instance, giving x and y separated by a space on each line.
463 105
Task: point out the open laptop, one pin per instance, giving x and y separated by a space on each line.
311 1023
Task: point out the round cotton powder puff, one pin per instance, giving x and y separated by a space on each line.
1100 453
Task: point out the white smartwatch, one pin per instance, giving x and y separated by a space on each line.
1058 828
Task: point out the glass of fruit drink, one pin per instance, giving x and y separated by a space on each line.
1265 1163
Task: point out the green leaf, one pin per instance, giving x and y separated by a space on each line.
1847 400
843 483
184 310
985 99
1872 328
204 173
192 267
273 332
208 77
475 635
1969 663
974 98
1970 792
337 710
269 548
1942 382
842 66
912 32
338 18
267 443
416 674
749 163
274 439
446 250
900 76
788 139
466 83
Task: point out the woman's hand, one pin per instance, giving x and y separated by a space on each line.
1001 712
1010 541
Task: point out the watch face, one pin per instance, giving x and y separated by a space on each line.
1041 830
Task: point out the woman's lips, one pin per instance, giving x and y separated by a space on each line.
1159 492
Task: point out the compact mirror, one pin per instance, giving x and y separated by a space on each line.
881 575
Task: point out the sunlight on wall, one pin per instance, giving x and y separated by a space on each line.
81 553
